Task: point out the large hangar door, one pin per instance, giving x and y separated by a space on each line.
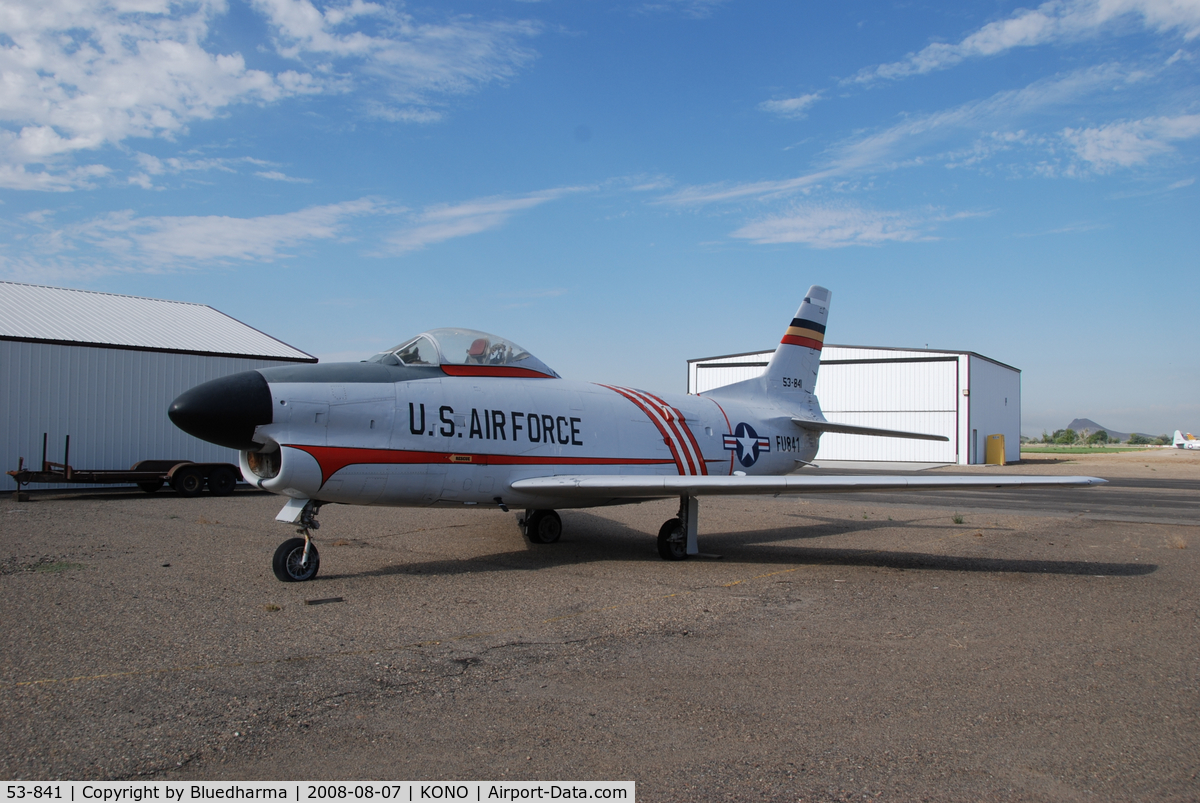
915 395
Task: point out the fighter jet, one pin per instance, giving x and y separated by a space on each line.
1188 441
458 417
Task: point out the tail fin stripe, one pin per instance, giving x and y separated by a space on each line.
807 342
804 331
801 323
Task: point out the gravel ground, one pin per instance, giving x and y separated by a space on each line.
837 651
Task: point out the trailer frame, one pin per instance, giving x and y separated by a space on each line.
187 478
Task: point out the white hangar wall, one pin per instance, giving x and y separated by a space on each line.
104 369
961 395
112 402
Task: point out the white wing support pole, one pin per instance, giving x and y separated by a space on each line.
593 486
847 429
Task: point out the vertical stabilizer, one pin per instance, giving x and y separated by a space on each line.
798 356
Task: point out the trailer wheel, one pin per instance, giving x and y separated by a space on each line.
150 486
222 481
188 481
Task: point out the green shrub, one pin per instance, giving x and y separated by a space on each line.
1065 436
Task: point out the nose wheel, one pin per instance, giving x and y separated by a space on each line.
297 560
291 564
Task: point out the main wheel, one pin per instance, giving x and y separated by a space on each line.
672 541
288 561
150 486
543 527
188 481
222 481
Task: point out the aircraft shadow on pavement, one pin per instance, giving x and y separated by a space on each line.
593 539
759 546
886 559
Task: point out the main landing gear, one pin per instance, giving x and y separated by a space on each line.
541 526
677 537
297 559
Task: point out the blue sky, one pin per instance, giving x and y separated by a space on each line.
622 186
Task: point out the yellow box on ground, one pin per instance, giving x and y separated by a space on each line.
993 453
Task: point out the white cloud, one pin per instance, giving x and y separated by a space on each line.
177 241
157 167
152 167
79 76
440 223
1050 22
1125 144
919 139
697 9
791 108
413 63
834 226
17 177
55 270
275 175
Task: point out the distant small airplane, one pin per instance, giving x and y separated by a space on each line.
1188 441
457 417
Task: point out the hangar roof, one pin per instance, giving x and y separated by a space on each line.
59 315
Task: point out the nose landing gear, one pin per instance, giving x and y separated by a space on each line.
297 560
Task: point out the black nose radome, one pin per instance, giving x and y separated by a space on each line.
225 411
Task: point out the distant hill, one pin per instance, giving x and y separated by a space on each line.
1080 424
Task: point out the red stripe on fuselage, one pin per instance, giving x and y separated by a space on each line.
728 427
493 370
679 416
653 420
807 342
333 459
665 414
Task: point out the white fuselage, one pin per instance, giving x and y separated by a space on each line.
464 440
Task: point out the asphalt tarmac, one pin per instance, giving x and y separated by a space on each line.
1009 646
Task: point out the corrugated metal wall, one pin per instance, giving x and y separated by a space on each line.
112 402
910 396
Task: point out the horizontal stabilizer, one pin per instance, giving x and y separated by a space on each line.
600 486
847 429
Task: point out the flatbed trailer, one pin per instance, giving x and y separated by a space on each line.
186 477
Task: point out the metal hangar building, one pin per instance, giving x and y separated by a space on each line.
960 394
103 369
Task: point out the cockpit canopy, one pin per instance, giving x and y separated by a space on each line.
480 353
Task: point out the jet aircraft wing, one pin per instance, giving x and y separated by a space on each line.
622 486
